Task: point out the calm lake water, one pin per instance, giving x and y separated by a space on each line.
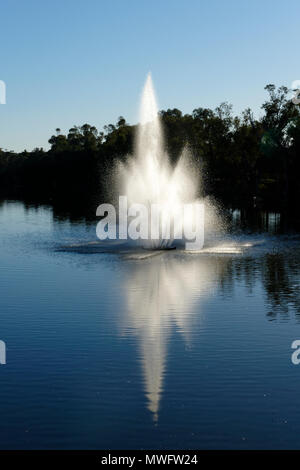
117 350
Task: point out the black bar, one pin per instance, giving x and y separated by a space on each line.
149 458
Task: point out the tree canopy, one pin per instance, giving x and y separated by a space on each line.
241 159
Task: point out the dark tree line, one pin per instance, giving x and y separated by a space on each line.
243 161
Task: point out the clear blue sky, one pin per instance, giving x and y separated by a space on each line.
69 62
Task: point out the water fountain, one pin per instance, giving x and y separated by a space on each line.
147 178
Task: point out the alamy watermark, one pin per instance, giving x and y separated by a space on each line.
296 90
2 352
154 222
296 354
2 92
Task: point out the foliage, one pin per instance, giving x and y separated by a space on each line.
242 160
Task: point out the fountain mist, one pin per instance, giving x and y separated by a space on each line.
148 178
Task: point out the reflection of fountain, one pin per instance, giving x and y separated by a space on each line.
162 292
149 179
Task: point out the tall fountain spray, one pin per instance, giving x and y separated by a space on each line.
148 178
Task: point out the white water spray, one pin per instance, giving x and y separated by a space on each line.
148 178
